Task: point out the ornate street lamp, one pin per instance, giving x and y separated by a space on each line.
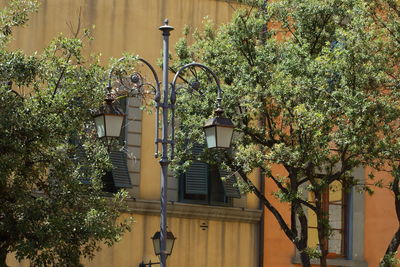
109 119
218 131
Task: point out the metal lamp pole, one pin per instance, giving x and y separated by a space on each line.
169 103
164 162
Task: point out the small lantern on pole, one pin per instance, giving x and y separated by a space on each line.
157 243
219 131
109 119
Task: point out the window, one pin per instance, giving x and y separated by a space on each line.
117 178
207 184
334 204
352 230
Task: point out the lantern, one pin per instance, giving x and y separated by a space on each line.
219 131
109 119
157 243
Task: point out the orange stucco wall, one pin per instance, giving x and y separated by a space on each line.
380 221
278 250
132 26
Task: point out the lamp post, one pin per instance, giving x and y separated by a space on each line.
218 130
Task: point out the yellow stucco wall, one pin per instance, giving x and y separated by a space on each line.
125 26
122 26
132 26
221 244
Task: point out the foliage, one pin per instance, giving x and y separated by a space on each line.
47 215
309 86
390 260
386 14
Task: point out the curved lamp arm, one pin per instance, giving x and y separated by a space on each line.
207 69
111 72
157 96
157 86
173 96
157 99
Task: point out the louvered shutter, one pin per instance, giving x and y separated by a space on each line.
197 175
229 180
119 172
81 158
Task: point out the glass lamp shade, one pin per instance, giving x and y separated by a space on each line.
108 125
109 120
219 132
157 243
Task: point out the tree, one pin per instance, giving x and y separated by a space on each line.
307 86
46 214
386 14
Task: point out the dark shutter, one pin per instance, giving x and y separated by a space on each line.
196 177
118 177
119 172
229 181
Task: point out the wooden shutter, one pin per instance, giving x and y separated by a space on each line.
119 172
197 179
196 176
118 177
229 180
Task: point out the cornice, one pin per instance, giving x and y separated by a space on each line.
193 211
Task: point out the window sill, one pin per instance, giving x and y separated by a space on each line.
335 262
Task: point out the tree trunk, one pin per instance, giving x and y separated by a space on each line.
392 248
304 256
322 244
322 226
305 259
301 245
3 257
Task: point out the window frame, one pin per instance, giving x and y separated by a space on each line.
212 170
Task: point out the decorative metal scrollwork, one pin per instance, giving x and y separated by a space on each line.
122 84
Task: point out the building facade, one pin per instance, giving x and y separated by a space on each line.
212 227
234 231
